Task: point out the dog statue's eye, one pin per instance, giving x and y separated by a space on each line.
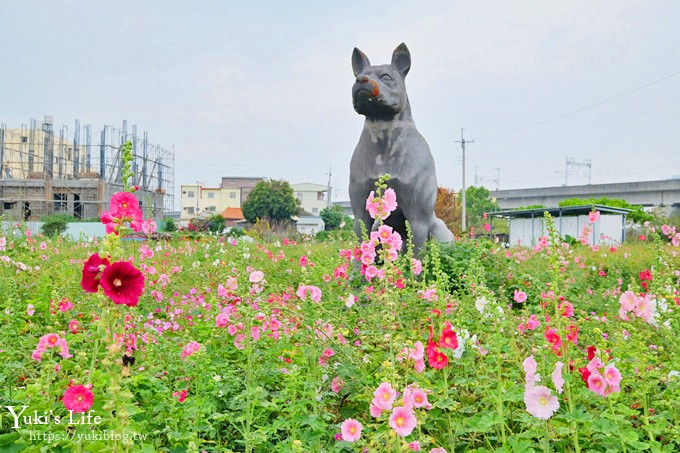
386 77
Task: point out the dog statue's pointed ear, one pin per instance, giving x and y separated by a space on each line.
401 59
359 62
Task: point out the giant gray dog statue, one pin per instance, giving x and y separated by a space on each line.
391 144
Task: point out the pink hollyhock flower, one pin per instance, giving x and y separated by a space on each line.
594 365
533 323
438 450
91 274
419 398
371 272
123 283
303 261
390 199
628 301
190 349
328 352
49 340
566 309
78 398
63 348
256 276
314 292
613 378
181 396
73 326
418 351
64 305
337 384
557 378
231 284
597 384
384 396
487 227
553 338
593 216
520 296
375 410
414 446
540 402
30 309
402 421
384 233
149 226
350 301
530 365
125 205
351 430
416 266
645 308
222 319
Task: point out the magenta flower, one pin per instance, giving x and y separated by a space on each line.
540 402
78 398
419 399
222 319
124 208
123 283
313 292
351 430
337 384
613 378
593 216
402 421
190 349
92 270
520 296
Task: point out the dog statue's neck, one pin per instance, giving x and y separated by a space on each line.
402 119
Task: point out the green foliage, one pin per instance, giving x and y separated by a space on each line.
478 201
532 206
169 225
55 225
215 223
638 214
332 217
272 200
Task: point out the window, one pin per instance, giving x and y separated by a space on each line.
319 195
190 210
315 210
300 195
211 194
59 201
190 194
211 208
232 195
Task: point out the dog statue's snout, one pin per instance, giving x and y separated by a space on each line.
362 79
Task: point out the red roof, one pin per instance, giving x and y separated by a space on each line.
233 214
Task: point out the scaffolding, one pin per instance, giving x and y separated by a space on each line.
43 172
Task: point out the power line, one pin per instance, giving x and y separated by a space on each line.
589 106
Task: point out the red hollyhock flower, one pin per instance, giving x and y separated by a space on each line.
92 270
78 398
448 339
123 283
591 350
435 357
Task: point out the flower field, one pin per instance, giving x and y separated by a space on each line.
217 344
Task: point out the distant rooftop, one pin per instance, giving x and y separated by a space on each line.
565 211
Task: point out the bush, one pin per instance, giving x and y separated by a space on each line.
55 225
169 225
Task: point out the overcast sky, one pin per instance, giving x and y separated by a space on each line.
263 88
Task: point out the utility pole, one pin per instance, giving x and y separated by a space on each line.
328 194
571 162
462 142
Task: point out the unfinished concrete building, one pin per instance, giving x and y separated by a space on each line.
44 172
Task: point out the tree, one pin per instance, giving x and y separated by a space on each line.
332 217
447 208
272 200
478 202
637 216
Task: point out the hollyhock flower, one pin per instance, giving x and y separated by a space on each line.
65 305
371 272
181 396
91 274
375 411
78 398
351 430
231 284
591 350
313 291
48 341
540 402
448 338
419 398
414 446
557 378
63 348
30 309
594 365
533 323
222 319
381 207
613 378
438 450
416 266
384 396
350 301
402 421
593 216
124 208
566 309
303 261
256 277
553 338
190 349
337 384
520 296
149 227
597 384
123 283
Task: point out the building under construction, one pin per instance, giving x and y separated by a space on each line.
45 172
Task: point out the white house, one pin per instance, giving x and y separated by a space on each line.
527 225
313 197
